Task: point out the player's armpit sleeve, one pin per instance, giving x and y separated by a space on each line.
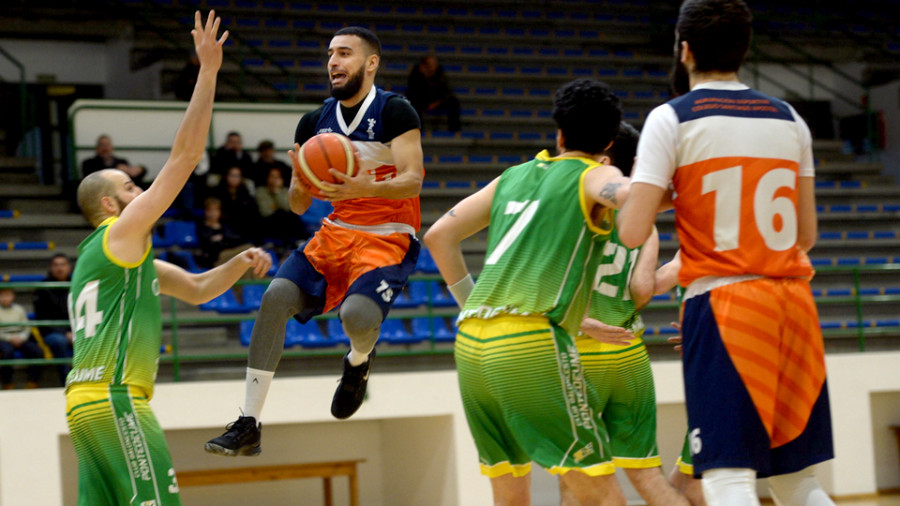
655 163
807 163
306 127
399 117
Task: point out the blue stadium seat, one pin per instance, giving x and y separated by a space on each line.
425 262
183 259
440 297
246 332
307 335
252 295
394 332
182 233
23 278
418 293
336 332
225 303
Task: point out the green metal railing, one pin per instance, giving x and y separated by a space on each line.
26 115
175 356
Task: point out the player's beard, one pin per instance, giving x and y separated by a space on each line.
121 204
680 81
349 90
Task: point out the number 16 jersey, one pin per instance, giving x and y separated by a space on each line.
734 156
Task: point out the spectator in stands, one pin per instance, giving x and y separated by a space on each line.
266 161
218 242
51 304
231 154
14 338
279 223
105 159
187 78
239 209
429 91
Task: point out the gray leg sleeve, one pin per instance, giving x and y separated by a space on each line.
282 300
361 318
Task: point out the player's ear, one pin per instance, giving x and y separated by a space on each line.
560 141
373 62
109 205
686 53
605 160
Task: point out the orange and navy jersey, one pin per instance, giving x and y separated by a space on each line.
733 156
371 136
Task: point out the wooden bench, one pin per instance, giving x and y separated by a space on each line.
324 470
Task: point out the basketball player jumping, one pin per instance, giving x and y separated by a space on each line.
361 257
742 168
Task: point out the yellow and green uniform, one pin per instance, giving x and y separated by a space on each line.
621 375
116 320
520 375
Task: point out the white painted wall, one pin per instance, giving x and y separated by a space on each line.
70 62
152 124
412 433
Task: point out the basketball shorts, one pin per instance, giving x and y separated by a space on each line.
754 374
122 453
526 398
622 377
338 262
685 462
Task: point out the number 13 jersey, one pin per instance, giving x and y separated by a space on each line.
733 156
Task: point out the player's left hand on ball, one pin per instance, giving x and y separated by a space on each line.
604 333
258 260
351 187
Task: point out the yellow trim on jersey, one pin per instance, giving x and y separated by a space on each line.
601 469
82 394
687 469
633 463
109 255
544 156
505 468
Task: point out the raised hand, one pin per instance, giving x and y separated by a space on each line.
209 50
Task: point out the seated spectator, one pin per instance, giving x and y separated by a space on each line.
266 161
429 91
218 243
105 159
16 338
51 304
279 223
239 209
231 154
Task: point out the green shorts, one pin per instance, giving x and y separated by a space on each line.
526 399
623 379
685 463
122 453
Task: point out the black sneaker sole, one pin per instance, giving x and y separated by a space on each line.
247 451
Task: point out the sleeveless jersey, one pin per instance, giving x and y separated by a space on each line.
611 301
366 131
737 155
114 311
540 244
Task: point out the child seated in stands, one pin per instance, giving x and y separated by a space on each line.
218 242
16 338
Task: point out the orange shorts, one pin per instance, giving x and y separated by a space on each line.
338 261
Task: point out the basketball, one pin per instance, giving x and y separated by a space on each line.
322 152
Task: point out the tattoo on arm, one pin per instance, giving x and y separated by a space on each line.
451 213
609 192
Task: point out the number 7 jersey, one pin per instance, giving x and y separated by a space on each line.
734 156
115 316
540 244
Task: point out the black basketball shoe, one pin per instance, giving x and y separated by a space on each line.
352 390
241 437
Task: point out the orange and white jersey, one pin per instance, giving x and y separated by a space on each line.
733 156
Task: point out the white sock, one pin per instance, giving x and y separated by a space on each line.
798 489
258 382
356 357
730 487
